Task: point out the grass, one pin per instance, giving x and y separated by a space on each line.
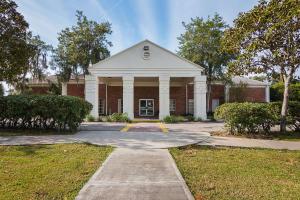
17 132
47 171
275 135
239 173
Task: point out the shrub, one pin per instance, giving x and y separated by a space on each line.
276 92
247 117
117 117
293 117
173 119
90 118
190 118
42 111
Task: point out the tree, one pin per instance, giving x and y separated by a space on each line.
81 44
267 39
201 44
1 90
277 90
36 64
14 51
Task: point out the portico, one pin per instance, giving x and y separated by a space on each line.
143 80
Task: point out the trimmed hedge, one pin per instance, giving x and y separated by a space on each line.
115 117
173 119
42 112
246 117
255 117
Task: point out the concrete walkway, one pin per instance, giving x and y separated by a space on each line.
147 140
136 174
251 143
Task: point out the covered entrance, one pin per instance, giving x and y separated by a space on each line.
146 80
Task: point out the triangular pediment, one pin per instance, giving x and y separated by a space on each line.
146 55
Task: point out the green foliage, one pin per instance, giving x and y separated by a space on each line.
190 118
84 42
42 112
293 116
267 40
277 89
116 117
90 118
247 117
1 90
201 44
173 119
14 51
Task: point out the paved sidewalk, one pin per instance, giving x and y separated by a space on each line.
147 140
135 174
252 143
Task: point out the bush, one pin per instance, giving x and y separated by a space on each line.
90 118
277 89
293 117
173 119
117 117
42 112
190 118
247 117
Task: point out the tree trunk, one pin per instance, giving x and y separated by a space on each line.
284 107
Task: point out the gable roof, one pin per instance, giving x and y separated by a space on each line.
248 81
170 53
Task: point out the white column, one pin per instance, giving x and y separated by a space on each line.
267 93
64 90
164 96
91 93
200 97
128 87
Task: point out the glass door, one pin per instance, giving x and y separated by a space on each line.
146 107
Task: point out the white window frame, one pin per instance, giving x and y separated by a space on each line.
172 105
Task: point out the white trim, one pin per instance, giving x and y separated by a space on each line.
146 104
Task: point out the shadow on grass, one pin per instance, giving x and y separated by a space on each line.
31 149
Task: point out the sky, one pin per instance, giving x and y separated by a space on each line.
132 20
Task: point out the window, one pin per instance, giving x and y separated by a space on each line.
172 105
191 106
101 106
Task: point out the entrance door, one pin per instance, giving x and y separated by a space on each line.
146 107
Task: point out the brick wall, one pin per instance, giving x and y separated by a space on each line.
76 90
40 90
251 95
179 94
113 94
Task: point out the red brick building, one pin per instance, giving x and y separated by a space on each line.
143 80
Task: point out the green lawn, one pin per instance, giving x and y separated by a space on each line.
47 171
239 173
